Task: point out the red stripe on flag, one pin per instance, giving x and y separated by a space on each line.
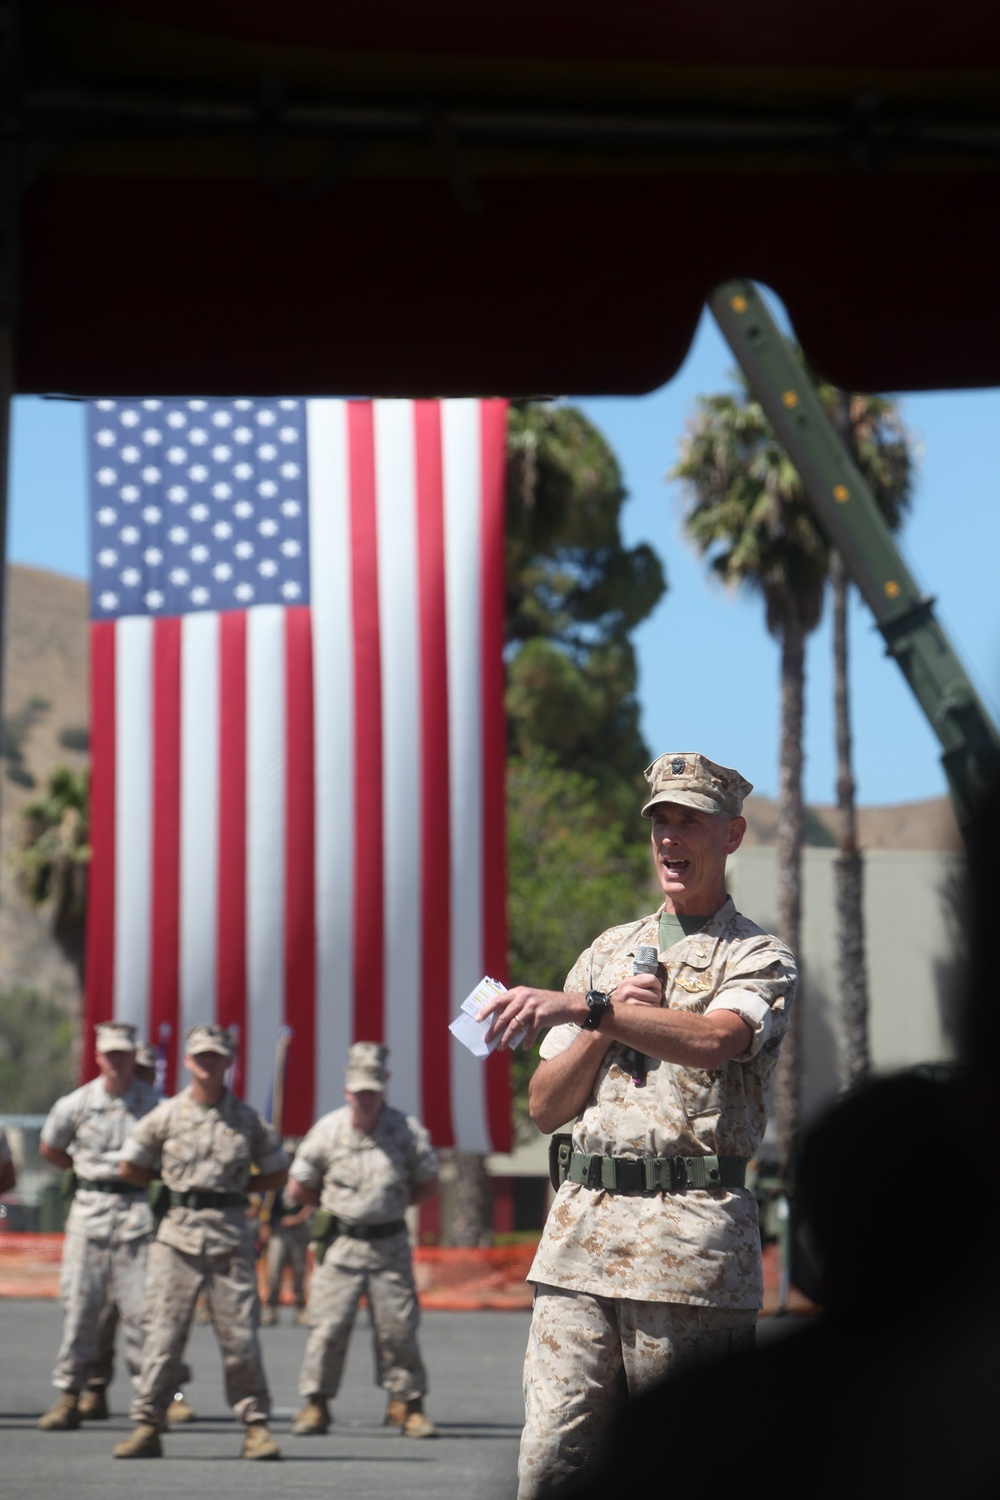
231 955
435 839
369 900
493 418
165 913
300 873
100 971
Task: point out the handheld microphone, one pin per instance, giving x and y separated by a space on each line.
645 962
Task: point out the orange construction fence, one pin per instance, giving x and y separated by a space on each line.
448 1279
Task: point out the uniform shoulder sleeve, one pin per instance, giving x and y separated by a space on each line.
425 1160
63 1119
144 1142
760 983
265 1144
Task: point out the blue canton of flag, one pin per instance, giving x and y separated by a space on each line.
197 505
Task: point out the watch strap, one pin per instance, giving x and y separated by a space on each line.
598 1004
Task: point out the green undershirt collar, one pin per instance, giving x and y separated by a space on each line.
673 927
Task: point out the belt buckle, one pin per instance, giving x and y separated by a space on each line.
595 1172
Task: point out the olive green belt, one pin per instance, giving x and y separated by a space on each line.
107 1185
656 1174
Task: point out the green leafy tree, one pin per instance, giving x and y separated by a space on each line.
575 593
37 1052
52 858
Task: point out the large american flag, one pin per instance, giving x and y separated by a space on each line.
298 739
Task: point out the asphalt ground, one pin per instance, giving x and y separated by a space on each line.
473 1361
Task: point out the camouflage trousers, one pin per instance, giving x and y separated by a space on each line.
173 1283
101 1369
287 1247
587 1354
334 1295
98 1276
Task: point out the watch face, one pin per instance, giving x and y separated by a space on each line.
597 1004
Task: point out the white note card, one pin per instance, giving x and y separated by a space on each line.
472 1033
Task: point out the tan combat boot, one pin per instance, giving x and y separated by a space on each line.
268 1316
314 1418
64 1416
259 1443
409 1417
301 1317
93 1405
142 1442
180 1411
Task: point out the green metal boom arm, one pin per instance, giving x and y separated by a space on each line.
847 511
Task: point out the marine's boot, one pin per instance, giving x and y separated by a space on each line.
268 1316
259 1443
180 1411
142 1442
314 1418
64 1416
93 1405
409 1417
301 1317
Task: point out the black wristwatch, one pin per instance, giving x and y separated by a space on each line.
598 1005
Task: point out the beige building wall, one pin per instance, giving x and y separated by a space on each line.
915 951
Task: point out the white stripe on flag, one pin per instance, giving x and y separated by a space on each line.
333 686
399 634
199 832
461 446
265 874
133 818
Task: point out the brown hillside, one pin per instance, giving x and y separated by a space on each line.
45 694
929 824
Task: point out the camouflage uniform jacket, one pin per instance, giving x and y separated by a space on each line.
695 1247
91 1126
205 1149
366 1179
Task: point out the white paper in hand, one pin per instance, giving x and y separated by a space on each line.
472 1033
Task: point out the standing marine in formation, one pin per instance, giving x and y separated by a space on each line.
108 1228
364 1164
204 1143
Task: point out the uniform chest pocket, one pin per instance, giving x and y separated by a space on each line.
179 1152
231 1149
98 1132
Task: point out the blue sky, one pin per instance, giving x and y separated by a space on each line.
709 671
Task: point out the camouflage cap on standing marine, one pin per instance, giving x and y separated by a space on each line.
114 1036
692 780
209 1038
366 1067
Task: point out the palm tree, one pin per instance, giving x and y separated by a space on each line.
53 854
749 513
873 431
746 511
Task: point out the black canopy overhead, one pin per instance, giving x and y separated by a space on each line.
516 196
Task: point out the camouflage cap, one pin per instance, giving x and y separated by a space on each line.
213 1038
114 1036
366 1067
145 1055
695 781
